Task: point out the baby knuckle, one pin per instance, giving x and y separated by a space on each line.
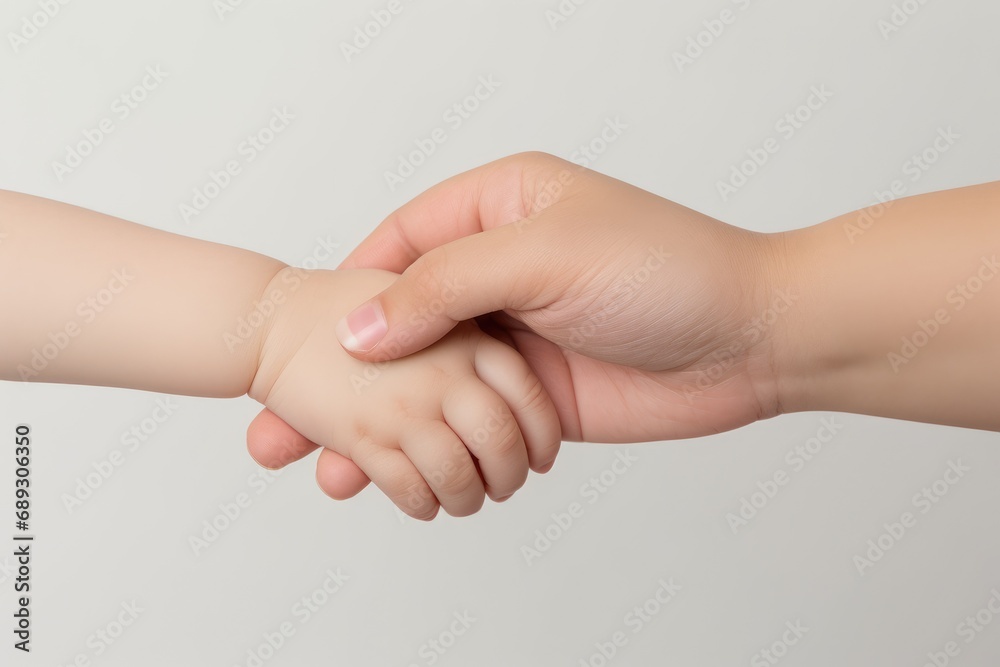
417 500
535 399
469 507
459 481
506 439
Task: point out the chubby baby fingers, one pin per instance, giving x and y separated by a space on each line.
393 472
446 465
481 418
509 375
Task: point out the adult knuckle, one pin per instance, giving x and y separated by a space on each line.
427 274
533 157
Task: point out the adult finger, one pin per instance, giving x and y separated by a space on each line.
495 194
489 271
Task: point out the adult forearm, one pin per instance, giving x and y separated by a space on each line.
92 299
899 314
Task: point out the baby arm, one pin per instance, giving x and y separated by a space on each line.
91 299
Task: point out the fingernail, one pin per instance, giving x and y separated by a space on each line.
545 468
362 329
258 461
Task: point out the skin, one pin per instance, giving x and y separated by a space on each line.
891 311
97 300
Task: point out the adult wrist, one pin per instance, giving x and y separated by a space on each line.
825 350
772 291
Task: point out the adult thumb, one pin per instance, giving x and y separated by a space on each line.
463 279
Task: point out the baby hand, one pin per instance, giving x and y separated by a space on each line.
442 427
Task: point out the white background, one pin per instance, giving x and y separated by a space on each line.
664 518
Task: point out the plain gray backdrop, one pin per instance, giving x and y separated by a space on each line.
322 182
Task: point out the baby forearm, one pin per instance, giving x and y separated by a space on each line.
92 299
900 311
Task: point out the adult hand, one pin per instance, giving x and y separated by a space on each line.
644 320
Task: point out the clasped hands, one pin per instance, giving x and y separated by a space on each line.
538 301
